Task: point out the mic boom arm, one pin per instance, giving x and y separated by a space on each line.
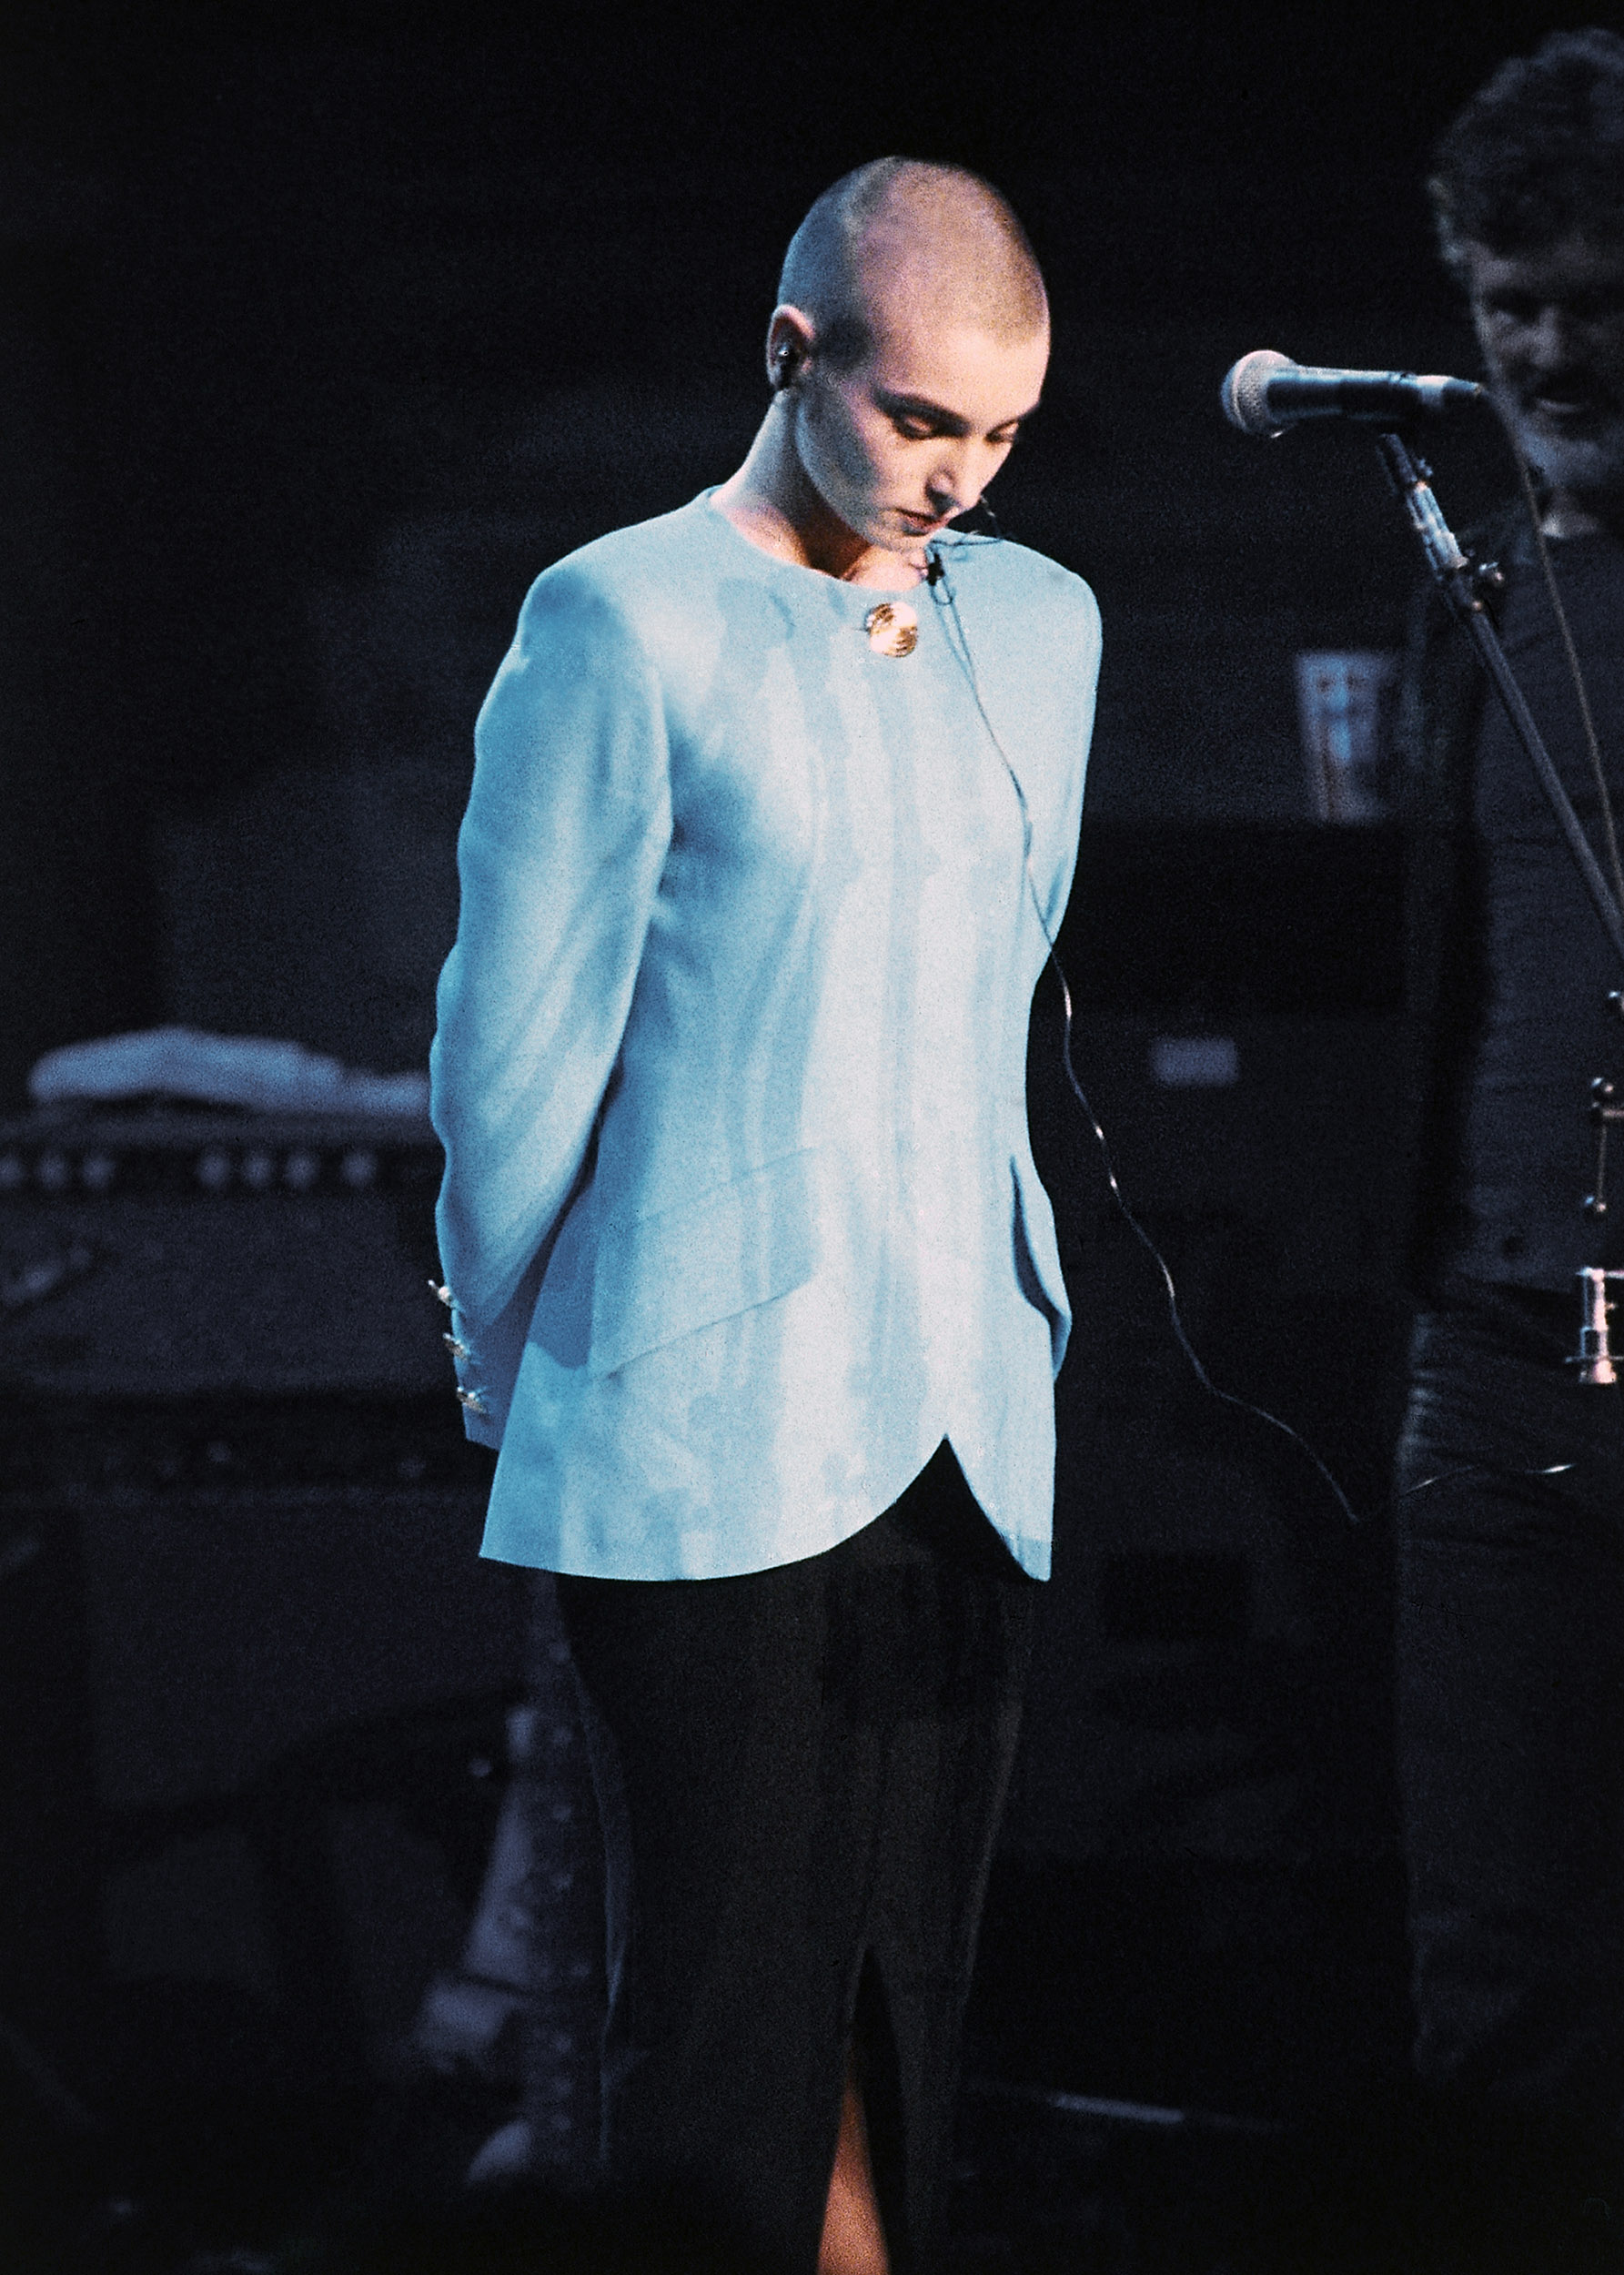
1462 585
1460 582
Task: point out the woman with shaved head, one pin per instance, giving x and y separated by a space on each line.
753 1282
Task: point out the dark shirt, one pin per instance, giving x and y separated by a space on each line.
1544 1023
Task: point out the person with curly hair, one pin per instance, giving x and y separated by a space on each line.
1510 1657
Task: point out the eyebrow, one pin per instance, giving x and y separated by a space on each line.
950 421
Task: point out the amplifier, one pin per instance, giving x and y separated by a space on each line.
229 1627
256 1669
172 1253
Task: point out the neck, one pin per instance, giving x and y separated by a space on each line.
771 501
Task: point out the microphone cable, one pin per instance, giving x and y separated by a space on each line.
1524 476
939 585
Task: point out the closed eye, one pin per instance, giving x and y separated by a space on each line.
914 428
917 420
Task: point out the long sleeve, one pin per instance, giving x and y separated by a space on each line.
560 858
1057 883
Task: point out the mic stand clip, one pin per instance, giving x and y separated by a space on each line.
1594 1359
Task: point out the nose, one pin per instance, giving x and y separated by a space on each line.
1551 337
958 478
950 486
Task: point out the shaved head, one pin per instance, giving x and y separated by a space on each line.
907 349
903 239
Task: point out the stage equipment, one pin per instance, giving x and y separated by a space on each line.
1345 708
1464 584
526 2003
178 1253
1248 399
1594 1357
261 1671
1266 393
265 1747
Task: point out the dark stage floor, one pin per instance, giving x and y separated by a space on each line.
209 2178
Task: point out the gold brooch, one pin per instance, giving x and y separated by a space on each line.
892 627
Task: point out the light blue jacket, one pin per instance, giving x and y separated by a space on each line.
740 1210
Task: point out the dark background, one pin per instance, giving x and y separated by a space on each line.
324 327
322 330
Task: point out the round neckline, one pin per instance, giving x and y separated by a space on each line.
864 596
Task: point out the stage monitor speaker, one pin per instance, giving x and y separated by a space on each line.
263 1741
229 1627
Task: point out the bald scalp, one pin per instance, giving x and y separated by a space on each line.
903 239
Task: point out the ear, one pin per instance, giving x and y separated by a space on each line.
790 337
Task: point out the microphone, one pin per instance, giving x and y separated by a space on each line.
1266 393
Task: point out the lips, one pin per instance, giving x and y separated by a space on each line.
1567 403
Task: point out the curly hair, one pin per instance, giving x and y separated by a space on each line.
1538 152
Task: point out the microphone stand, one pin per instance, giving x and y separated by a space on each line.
1463 583
1595 1359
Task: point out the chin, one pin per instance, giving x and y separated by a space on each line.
1590 467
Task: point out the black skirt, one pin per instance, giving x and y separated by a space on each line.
799 1773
